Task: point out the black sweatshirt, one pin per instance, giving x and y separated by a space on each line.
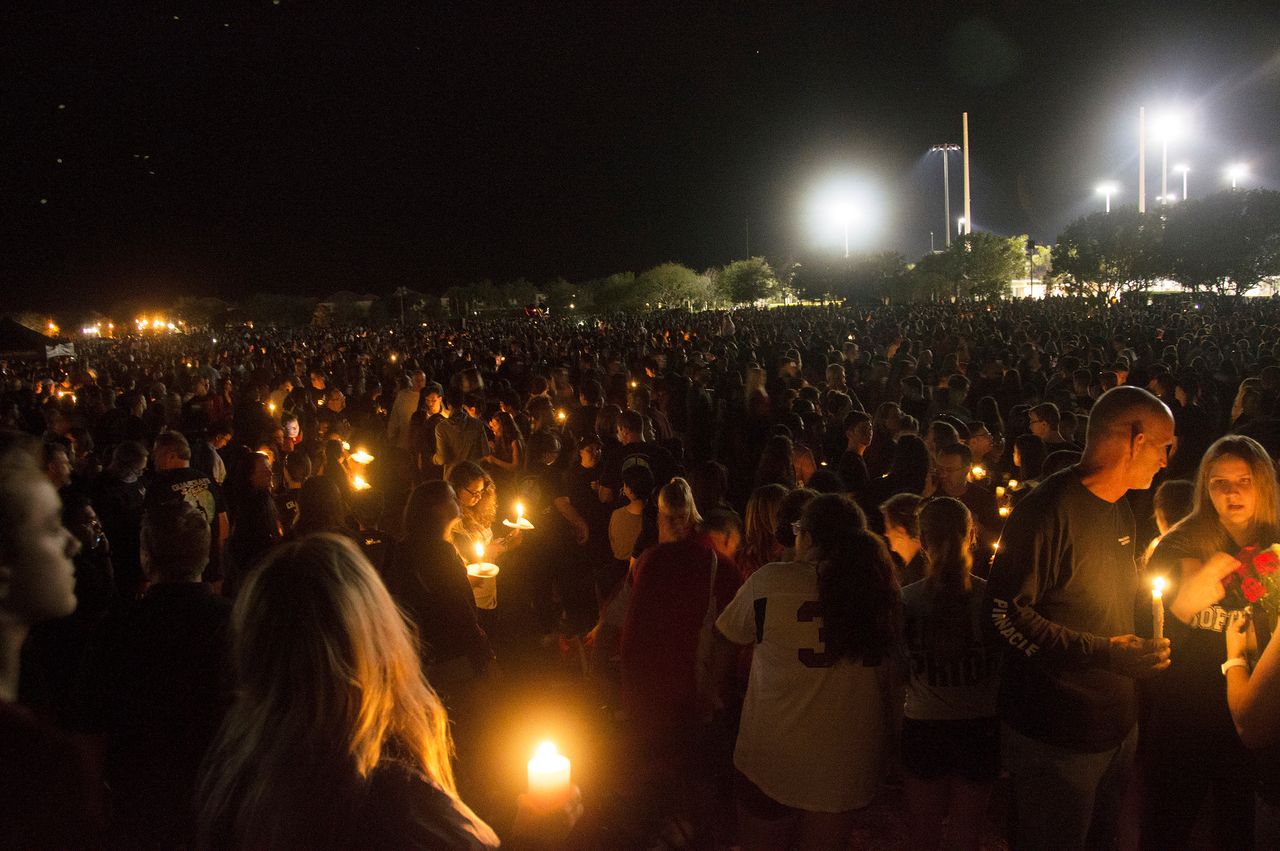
1063 582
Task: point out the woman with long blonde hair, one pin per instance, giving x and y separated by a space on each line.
1192 746
335 739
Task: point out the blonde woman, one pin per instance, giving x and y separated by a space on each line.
676 583
1192 748
335 740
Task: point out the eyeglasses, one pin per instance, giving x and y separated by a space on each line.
476 493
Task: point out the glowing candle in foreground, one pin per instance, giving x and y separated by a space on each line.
979 472
1004 511
479 552
1157 606
549 775
519 511
358 483
360 456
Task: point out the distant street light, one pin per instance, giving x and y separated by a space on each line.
1107 189
1237 172
963 226
1183 168
945 149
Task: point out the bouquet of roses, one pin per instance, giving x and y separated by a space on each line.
1256 581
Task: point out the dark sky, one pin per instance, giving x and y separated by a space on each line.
152 149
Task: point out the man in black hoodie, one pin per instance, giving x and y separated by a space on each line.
1063 592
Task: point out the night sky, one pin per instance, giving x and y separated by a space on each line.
156 149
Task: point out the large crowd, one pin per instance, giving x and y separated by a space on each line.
797 557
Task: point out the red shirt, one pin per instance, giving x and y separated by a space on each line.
672 587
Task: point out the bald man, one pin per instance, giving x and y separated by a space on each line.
1062 593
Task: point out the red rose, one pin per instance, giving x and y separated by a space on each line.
1253 590
1266 562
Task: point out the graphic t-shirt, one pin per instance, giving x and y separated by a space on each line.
189 485
954 661
812 734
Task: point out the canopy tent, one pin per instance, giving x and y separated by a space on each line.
18 342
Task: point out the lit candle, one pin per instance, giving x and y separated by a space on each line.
561 416
346 446
1013 484
393 357
633 385
1157 606
979 472
549 776
479 552
1004 511
360 456
999 490
271 406
519 511
358 483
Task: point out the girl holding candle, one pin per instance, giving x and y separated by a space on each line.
1191 746
335 740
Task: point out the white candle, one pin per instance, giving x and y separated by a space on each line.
1157 606
549 776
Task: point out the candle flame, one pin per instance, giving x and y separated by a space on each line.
1004 511
546 750
561 415
360 456
1157 587
479 551
519 510
346 446
358 482
1013 484
979 472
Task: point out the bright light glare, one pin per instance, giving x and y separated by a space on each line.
1108 187
841 206
1237 171
1170 125
1182 168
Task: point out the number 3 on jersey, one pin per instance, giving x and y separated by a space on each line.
809 657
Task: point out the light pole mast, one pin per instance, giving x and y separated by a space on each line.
968 218
945 149
1142 159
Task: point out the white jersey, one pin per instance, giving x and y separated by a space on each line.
812 734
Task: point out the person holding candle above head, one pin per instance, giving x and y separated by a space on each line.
345 747
1062 593
1191 746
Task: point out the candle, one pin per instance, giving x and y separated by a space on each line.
346 446
979 472
999 490
1013 484
360 456
519 511
1157 606
561 416
549 776
479 551
393 357
484 580
271 406
1004 511
358 483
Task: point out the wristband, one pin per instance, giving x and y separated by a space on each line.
1234 663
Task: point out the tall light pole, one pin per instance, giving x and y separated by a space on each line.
1107 189
964 141
1167 125
1142 159
945 149
1183 168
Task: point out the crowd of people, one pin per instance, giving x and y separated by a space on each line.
257 585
